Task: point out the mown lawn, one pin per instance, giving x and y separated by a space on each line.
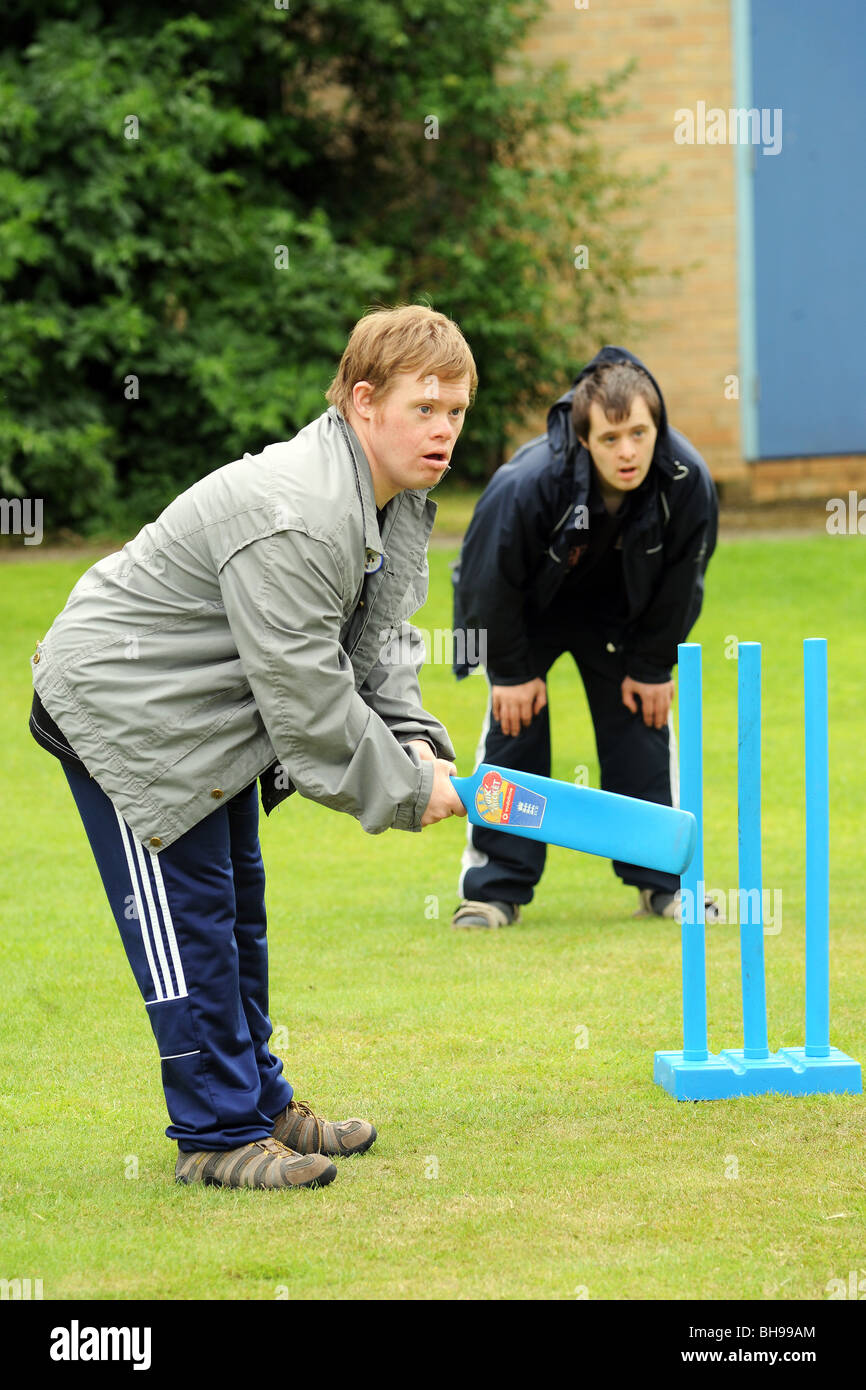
512 1163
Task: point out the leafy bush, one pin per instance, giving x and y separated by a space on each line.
151 326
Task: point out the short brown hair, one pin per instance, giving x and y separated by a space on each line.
408 338
614 386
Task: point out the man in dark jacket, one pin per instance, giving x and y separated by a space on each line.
594 540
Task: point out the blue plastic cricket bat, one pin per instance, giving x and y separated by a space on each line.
595 822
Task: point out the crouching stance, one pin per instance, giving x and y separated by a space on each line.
257 631
593 540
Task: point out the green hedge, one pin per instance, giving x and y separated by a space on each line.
151 168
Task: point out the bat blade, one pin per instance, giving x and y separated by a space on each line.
582 818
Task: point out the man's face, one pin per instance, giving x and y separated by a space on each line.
409 433
622 451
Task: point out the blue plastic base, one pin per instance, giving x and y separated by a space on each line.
789 1072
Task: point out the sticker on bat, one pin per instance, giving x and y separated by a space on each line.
500 802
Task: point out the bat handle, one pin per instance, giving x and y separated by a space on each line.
460 786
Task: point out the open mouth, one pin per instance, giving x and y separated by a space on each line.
436 458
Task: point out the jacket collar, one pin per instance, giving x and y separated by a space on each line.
373 547
408 510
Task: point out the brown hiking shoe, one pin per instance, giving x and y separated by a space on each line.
305 1132
264 1163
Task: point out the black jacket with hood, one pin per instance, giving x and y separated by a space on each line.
513 558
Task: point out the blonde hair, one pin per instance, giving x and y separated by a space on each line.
409 338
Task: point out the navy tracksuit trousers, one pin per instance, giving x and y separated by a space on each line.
192 920
634 761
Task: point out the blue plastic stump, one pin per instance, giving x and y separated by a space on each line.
789 1072
753 1070
751 902
692 881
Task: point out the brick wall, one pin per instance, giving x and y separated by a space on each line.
688 327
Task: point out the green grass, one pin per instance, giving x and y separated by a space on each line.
559 1168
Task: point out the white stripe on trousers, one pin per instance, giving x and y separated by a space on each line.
154 921
139 907
169 925
149 921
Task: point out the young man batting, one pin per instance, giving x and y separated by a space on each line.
239 637
593 540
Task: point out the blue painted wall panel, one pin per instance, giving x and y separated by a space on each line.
810 227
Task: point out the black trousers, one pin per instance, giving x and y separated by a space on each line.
634 761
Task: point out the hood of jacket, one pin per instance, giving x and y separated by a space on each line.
566 449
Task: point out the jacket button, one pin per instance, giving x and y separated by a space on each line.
155 842
216 793
610 647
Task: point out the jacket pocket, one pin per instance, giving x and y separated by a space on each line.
222 744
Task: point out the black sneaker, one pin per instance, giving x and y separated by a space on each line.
657 902
478 914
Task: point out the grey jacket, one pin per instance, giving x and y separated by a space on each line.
256 628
